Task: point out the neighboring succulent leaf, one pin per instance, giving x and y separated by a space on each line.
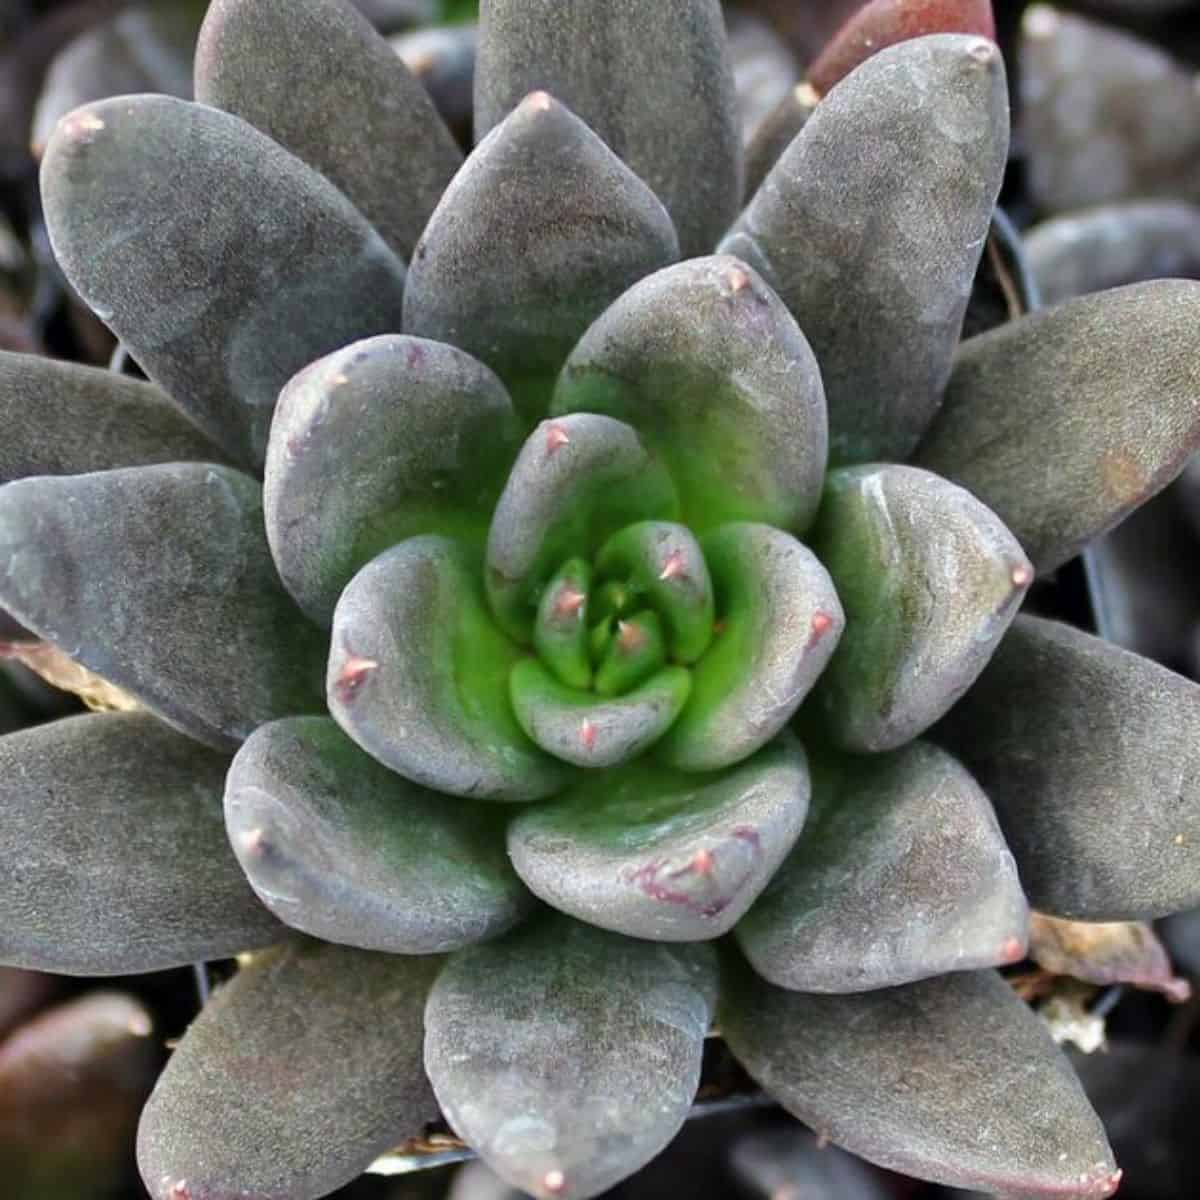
900 874
876 272
883 23
1105 115
791 1163
776 133
159 579
295 1076
778 622
113 826
710 368
1181 932
343 849
1113 245
659 854
577 481
537 234
146 48
442 58
930 580
653 80
954 1080
1089 754
61 418
1065 421
382 440
567 1056
418 677
224 263
351 109
764 68
22 993
1105 953
71 1083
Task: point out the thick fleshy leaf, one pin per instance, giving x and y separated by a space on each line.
930 580
71 1084
382 440
159 579
22 993
1089 754
568 1056
295 1076
224 263
876 272
418 677
578 479
653 80
1113 245
900 874
1105 953
883 23
351 108
338 846
778 622
540 231
1122 371
658 854
112 824
1105 115
595 731
776 133
764 68
61 418
953 1079
710 368
146 48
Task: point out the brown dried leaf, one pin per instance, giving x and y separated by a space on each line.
1105 953
57 669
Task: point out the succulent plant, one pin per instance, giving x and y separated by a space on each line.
584 564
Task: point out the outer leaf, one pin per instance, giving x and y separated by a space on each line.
418 677
875 271
1089 754
657 854
342 848
1112 245
1123 374
351 109
113 828
222 262
568 1057
930 580
60 418
577 481
779 620
296 1075
539 232
901 874
653 80
952 1079
159 579
710 368
377 442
